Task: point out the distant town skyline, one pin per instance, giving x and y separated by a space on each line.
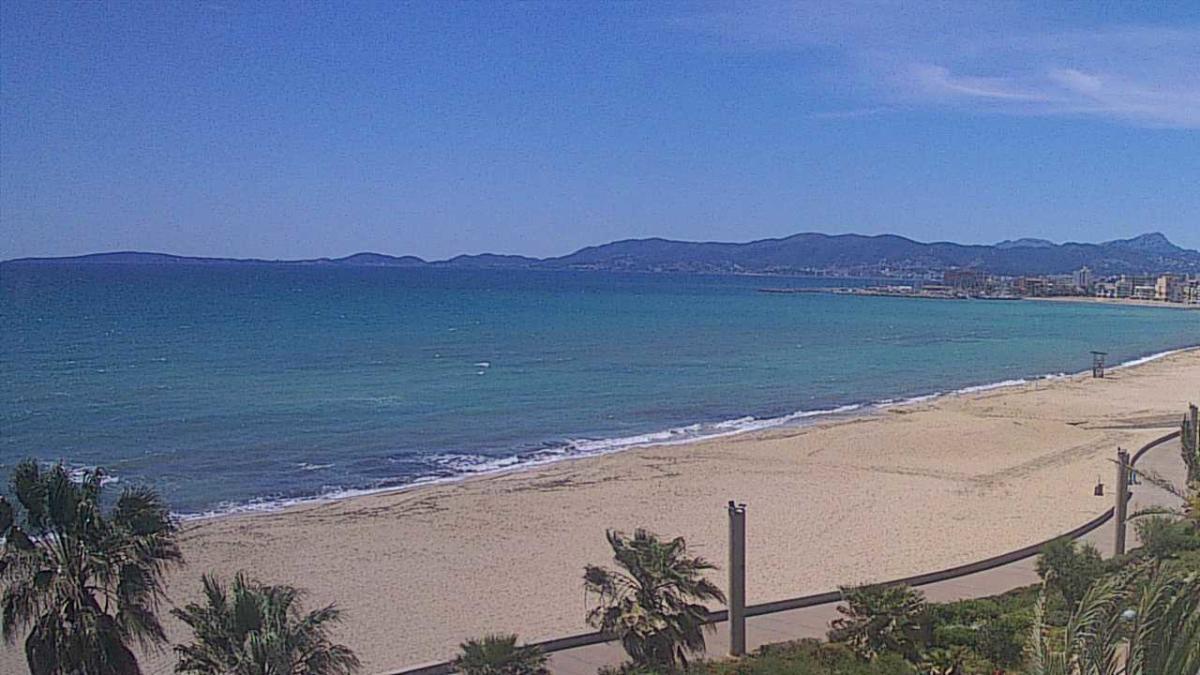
279 130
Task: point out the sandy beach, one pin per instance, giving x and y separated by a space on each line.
1120 302
902 490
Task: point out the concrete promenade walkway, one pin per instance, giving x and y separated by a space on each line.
813 622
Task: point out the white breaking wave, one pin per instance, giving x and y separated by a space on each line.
912 400
305 466
77 474
989 387
1148 359
467 465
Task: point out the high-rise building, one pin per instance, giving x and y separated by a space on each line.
1191 291
1124 287
1083 280
1169 288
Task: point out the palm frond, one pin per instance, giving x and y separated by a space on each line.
30 491
7 516
1144 620
654 601
82 582
251 627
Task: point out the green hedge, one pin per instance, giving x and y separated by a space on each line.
806 657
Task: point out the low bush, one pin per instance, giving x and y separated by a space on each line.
994 629
1002 640
1069 569
1188 561
806 657
500 655
878 619
1164 537
954 635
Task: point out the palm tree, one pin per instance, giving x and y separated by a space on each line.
499 655
878 619
254 629
86 583
653 602
1142 622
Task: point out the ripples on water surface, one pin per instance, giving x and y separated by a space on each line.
234 386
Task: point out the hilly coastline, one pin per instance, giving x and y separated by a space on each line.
799 254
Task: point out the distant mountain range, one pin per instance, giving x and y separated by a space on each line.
809 253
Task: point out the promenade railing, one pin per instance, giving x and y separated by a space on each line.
586 639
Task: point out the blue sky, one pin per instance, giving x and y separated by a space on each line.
308 129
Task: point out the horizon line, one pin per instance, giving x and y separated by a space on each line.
421 260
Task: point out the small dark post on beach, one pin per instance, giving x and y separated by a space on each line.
1098 364
1122 500
737 579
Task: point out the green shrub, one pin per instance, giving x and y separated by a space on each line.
1002 640
1163 537
879 619
994 629
1188 561
806 657
963 612
1069 569
499 655
1016 600
954 635
629 669
953 661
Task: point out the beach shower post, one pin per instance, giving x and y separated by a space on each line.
1122 501
737 579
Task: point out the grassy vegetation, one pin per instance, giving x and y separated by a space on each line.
807 656
989 632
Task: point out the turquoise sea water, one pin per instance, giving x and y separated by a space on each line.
235 387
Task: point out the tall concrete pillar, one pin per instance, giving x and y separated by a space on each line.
1122 500
737 579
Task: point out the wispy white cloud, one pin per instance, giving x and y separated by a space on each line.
964 56
1059 91
852 113
938 81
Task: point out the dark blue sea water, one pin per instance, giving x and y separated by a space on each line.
234 386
